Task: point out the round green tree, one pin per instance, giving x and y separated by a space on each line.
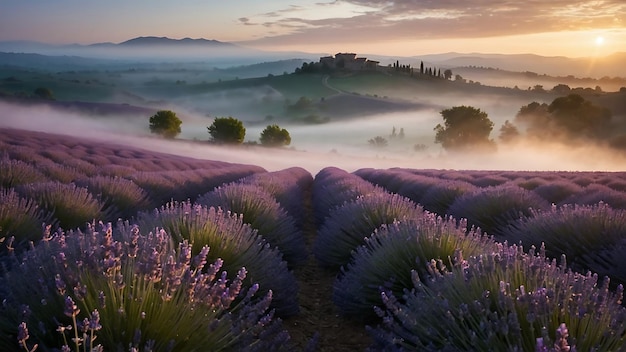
465 127
228 130
274 136
165 123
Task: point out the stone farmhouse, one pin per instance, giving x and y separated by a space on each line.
349 61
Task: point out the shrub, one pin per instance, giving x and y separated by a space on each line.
234 242
557 191
389 256
290 187
489 180
347 227
20 219
440 196
160 188
333 187
504 301
492 208
596 193
259 209
59 172
122 198
587 235
531 183
15 173
71 205
134 291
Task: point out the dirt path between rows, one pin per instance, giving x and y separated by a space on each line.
318 315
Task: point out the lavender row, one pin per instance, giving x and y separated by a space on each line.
333 187
291 187
260 209
505 300
232 240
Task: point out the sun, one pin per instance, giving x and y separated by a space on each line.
599 40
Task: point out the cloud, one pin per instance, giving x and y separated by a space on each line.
382 20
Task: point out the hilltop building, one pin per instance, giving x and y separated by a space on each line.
348 61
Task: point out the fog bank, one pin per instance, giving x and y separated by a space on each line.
340 144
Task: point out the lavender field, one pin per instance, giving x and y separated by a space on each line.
106 247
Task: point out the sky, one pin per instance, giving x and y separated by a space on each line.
574 28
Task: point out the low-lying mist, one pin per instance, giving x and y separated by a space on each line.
342 144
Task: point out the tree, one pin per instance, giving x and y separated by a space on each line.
378 142
227 130
508 132
578 116
464 127
447 74
274 136
165 123
43 93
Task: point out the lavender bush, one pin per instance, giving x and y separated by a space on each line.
333 187
15 173
440 196
596 193
557 191
21 221
233 241
588 235
290 187
71 205
121 198
261 210
492 208
389 256
128 291
506 300
347 227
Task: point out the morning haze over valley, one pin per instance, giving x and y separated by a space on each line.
422 119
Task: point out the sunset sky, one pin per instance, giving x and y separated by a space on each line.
407 27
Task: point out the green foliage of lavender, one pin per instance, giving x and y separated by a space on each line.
93 289
592 237
393 252
492 208
264 214
233 241
71 205
347 227
21 221
506 300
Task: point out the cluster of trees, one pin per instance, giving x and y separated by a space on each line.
568 118
223 130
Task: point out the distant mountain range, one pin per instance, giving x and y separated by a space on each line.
159 49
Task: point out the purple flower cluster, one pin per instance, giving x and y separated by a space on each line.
234 242
504 300
389 256
592 237
140 289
